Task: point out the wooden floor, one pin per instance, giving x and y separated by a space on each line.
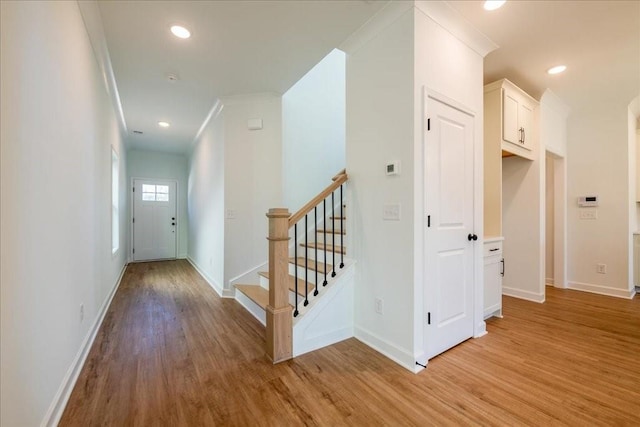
171 353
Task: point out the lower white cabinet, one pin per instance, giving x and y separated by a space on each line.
493 272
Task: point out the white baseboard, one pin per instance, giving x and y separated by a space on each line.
602 290
399 355
55 411
223 293
549 281
526 295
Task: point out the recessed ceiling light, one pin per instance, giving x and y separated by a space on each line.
164 124
557 69
493 4
180 32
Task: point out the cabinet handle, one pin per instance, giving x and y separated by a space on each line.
524 135
494 249
503 269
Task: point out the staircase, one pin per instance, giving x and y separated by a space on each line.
305 300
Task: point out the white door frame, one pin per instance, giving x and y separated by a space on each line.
131 202
479 325
559 218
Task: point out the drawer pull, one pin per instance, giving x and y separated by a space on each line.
494 249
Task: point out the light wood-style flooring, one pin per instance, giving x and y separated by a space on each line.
170 352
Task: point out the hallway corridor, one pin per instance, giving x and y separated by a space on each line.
170 352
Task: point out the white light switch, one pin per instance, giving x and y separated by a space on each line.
589 214
254 124
391 212
230 214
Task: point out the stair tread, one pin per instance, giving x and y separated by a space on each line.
330 248
331 231
310 285
255 293
312 265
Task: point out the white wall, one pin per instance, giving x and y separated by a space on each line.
253 182
380 120
313 130
235 177
58 126
597 163
158 165
206 201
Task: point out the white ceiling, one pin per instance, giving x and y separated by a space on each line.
242 47
237 47
598 41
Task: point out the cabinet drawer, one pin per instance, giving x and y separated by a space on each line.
492 248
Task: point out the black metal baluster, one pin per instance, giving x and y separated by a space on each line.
306 267
341 230
333 239
295 263
315 229
324 216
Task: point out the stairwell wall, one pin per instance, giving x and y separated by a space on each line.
235 177
379 130
313 130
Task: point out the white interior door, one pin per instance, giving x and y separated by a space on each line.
154 220
449 230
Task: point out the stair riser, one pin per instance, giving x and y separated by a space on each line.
311 254
264 282
311 275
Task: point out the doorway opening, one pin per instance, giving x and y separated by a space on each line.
555 220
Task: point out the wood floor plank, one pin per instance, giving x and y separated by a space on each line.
170 352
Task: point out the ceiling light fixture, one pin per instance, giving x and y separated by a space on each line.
164 124
493 4
180 32
557 69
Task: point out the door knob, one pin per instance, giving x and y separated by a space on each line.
471 237
173 223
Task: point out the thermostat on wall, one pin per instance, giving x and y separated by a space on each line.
393 168
588 201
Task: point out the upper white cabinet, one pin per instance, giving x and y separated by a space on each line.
512 113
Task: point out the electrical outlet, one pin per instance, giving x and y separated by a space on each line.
601 268
81 312
379 306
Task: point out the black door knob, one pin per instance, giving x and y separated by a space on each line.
471 237
173 223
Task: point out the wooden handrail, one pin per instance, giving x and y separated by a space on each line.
339 179
342 172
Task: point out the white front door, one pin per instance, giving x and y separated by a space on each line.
449 231
154 219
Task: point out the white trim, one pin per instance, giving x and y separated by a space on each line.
399 355
55 411
526 295
253 308
443 14
548 281
213 114
252 272
223 293
385 17
602 290
92 19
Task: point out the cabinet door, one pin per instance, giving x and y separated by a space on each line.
510 128
525 122
492 286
